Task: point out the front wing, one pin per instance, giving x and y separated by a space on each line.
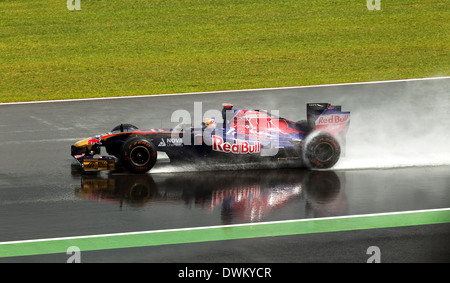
90 163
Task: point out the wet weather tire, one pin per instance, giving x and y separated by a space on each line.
138 155
321 151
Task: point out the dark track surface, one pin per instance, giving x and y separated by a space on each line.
43 196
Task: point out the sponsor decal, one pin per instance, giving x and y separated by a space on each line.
90 165
240 147
93 141
170 142
98 164
333 123
333 119
174 141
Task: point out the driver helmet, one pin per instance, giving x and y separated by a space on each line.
209 122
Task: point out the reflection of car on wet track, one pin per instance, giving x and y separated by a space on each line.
240 196
243 135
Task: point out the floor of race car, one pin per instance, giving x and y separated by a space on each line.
402 211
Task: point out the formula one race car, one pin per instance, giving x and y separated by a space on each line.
242 135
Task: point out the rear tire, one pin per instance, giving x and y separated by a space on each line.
321 151
138 155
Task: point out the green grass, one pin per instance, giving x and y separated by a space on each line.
228 232
134 47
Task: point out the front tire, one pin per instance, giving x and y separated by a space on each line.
321 151
138 155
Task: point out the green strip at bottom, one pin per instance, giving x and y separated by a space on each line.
226 232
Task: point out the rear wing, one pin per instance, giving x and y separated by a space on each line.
328 118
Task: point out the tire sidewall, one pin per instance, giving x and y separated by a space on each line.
312 160
128 147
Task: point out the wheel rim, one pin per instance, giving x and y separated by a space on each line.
140 155
323 152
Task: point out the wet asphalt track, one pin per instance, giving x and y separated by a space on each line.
43 195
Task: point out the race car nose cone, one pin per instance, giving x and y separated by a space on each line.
81 147
82 143
75 150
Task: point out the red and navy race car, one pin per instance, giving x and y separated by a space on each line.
242 135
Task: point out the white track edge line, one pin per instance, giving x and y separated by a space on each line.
223 226
221 91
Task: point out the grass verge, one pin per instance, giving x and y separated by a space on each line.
135 47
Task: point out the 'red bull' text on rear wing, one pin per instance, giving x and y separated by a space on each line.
327 118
